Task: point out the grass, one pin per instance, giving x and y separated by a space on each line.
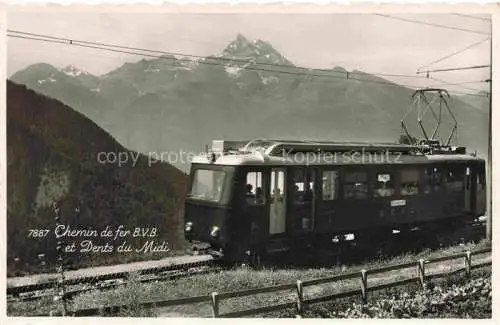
223 281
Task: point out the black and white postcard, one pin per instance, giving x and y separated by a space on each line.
248 161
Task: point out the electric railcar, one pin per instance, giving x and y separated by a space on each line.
265 196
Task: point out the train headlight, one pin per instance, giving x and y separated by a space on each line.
188 227
215 232
349 237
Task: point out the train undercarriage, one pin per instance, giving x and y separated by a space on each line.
316 249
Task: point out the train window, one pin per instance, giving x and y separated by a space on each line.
355 185
467 178
207 185
330 185
303 185
481 179
454 178
254 189
409 181
384 185
432 177
277 185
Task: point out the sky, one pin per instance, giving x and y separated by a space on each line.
367 42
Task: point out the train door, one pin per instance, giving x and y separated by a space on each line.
303 200
277 202
468 189
481 190
356 202
432 188
458 190
254 203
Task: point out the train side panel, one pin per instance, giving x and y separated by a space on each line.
280 205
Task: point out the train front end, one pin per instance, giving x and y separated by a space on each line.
208 206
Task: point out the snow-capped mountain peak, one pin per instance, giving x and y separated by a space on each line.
255 50
73 71
241 46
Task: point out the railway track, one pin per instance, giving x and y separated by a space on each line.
104 278
76 285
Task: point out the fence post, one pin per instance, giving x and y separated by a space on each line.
468 262
363 285
421 272
215 304
300 297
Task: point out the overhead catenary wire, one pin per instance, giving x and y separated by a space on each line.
76 43
433 24
212 58
105 47
460 68
456 69
455 53
460 84
472 17
73 41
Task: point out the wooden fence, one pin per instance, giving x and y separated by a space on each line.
300 302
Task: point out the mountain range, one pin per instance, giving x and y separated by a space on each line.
249 90
53 158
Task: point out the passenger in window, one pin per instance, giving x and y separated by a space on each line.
250 197
277 195
414 188
384 192
383 189
296 194
259 196
409 189
308 194
249 192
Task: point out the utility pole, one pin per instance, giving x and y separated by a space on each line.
489 171
489 179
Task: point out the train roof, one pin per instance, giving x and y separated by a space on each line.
292 152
